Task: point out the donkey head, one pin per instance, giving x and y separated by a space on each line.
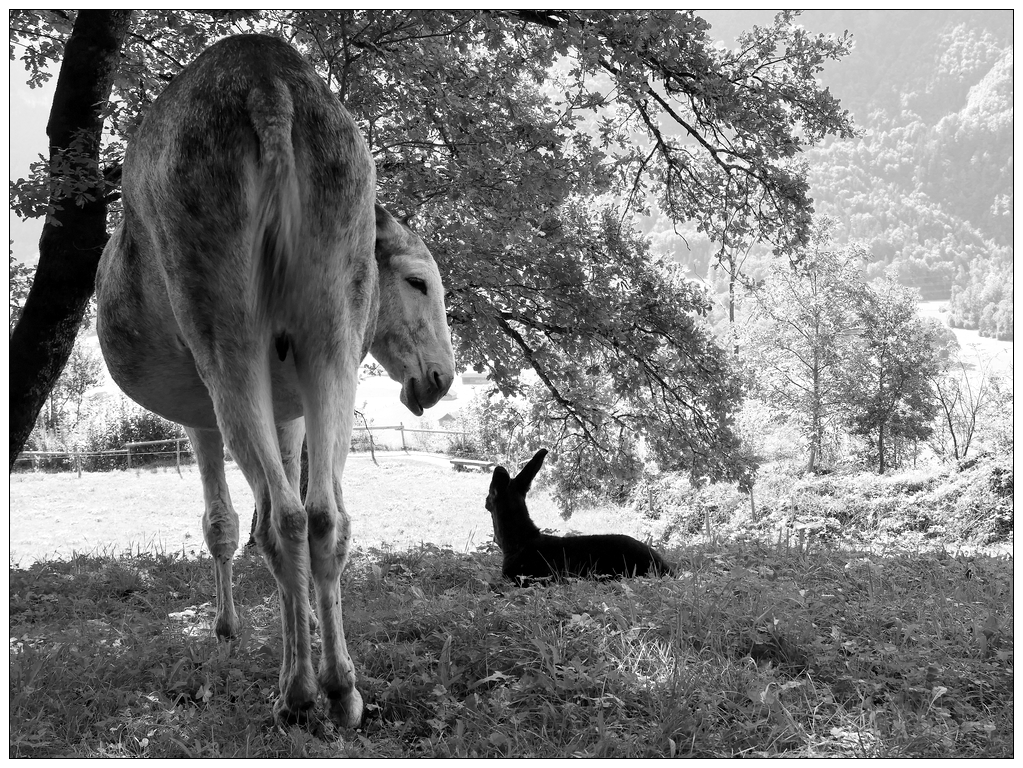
506 503
412 340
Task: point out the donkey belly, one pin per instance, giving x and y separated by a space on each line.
145 352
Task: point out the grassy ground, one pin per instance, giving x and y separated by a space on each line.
758 649
753 651
399 503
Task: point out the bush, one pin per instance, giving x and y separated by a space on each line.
969 504
121 422
363 441
495 427
465 447
107 426
48 441
685 509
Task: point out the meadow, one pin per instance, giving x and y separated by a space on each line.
772 647
401 502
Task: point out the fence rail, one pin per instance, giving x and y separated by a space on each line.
75 458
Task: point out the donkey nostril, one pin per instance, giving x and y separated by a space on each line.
441 380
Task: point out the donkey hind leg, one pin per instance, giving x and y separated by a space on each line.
247 424
291 455
290 435
329 418
219 523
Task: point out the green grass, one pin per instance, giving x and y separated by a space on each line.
758 650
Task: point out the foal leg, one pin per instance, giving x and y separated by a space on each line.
219 523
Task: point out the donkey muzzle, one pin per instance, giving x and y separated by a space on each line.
417 394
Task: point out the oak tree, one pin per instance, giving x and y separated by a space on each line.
504 136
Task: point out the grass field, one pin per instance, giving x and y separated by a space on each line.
760 649
400 503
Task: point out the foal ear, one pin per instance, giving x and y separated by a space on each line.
500 480
525 478
389 233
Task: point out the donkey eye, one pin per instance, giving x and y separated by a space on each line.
417 283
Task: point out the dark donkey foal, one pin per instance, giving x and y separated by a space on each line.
529 554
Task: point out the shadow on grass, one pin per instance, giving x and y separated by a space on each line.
754 650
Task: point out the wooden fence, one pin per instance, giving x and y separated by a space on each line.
75 458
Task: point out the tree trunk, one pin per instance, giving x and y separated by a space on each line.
880 450
816 419
73 237
731 303
949 418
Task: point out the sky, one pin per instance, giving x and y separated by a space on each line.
30 109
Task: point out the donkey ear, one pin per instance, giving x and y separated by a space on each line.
499 482
525 478
389 233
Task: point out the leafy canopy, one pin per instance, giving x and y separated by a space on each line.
520 143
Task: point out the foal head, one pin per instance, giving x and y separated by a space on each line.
506 503
412 340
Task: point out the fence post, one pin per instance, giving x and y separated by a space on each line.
78 463
127 449
401 431
177 451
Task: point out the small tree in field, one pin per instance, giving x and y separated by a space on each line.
887 383
802 335
82 372
962 398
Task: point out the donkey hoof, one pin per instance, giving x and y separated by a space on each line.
226 629
292 713
346 710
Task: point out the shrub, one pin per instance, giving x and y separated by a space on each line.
121 421
685 509
464 447
495 426
49 441
971 504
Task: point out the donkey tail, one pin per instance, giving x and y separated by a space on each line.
278 211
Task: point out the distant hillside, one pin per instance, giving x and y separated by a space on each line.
928 186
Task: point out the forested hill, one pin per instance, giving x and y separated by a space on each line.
928 186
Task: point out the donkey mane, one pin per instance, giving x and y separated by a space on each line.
530 554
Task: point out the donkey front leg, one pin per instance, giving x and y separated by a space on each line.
329 539
219 523
329 542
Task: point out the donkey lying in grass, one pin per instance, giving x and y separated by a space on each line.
529 554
